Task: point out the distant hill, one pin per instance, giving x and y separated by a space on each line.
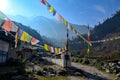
49 27
29 30
52 31
110 25
109 28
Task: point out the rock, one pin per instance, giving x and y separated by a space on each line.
119 62
52 75
44 73
77 74
107 70
114 71
118 75
116 78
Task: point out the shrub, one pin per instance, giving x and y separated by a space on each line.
39 73
98 65
80 60
45 69
85 61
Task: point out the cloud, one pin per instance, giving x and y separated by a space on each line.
100 8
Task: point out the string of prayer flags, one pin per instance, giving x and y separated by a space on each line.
106 40
88 40
7 25
61 19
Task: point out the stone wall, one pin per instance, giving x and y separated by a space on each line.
55 61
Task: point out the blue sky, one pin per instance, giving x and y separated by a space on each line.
75 11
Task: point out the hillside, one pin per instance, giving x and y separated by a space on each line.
109 28
50 28
29 30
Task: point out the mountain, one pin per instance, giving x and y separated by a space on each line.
29 30
49 27
110 28
110 25
51 30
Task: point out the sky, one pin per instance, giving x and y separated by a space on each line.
81 12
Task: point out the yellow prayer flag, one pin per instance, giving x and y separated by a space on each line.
65 22
51 9
16 38
46 47
56 50
24 36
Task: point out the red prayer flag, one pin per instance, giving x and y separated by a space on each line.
7 25
59 17
33 40
43 1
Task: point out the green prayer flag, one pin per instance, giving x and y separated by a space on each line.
28 38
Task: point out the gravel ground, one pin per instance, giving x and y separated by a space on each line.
92 73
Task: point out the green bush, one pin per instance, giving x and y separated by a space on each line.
98 65
85 61
40 73
73 59
80 60
45 69
76 59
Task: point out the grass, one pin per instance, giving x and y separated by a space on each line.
82 78
51 78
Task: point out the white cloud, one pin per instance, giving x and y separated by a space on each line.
100 8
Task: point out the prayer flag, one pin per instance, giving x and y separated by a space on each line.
20 31
14 28
7 25
51 49
34 41
46 47
51 9
59 17
24 36
43 1
28 38
16 38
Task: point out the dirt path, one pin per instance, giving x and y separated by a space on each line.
92 72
